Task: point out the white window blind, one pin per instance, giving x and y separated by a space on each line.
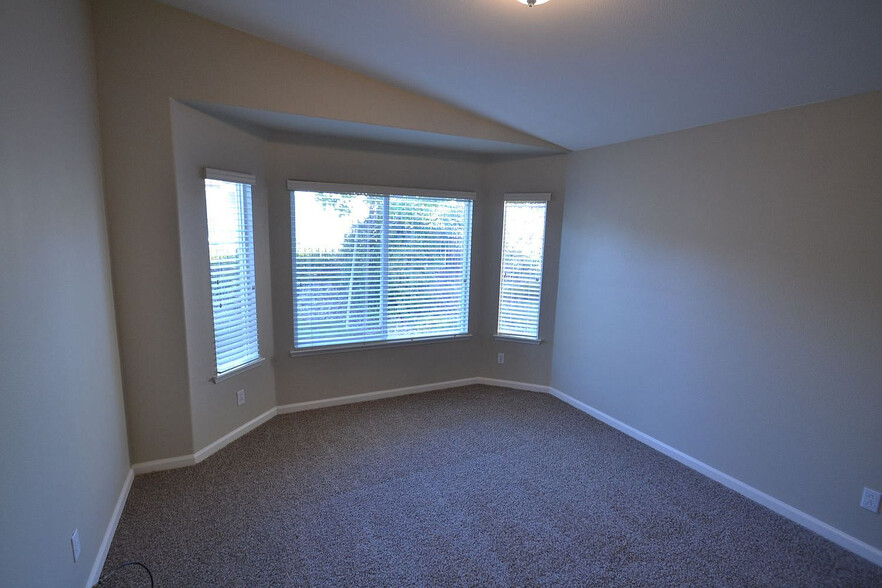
523 248
231 252
379 267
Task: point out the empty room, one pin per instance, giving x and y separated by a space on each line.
441 293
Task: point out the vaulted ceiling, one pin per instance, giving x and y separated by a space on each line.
583 73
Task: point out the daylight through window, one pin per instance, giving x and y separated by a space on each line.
374 267
523 248
231 251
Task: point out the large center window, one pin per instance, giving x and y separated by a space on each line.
375 265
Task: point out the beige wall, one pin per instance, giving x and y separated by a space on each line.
199 142
63 454
720 291
523 362
148 53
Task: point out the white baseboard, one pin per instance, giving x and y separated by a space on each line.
104 547
213 448
352 399
511 384
169 463
839 537
181 461
194 458
823 529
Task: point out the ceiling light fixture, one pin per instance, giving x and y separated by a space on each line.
532 3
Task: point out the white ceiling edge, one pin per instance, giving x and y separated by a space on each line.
587 73
295 128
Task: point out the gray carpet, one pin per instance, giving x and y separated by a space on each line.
471 486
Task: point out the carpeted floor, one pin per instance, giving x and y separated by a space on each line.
471 486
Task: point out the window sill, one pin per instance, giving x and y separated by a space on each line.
376 345
235 372
514 339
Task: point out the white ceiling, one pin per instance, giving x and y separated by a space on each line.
583 73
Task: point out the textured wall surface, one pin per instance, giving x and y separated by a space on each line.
63 453
720 291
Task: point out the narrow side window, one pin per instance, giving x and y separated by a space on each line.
520 282
231 254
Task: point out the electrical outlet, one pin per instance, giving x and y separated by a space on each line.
75 544
870 500
500 358
240 397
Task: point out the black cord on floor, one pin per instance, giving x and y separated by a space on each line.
121 566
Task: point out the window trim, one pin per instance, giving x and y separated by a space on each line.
527 197
228 176
523 197
515 339
238 370
333 187
330 187
249 180
346 347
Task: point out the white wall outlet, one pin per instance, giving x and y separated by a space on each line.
75 544
870 500
240 397
500 358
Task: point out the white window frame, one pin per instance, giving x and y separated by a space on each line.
249 180
523 197
330 187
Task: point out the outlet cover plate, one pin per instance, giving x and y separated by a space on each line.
500 358
240 397
870 500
